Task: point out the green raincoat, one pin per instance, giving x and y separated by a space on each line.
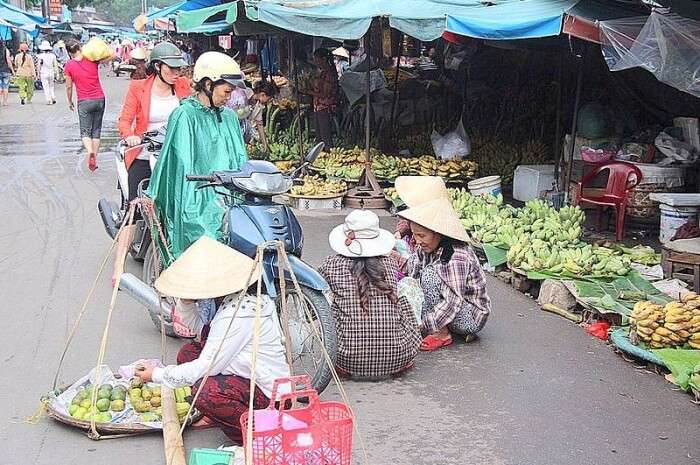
196 143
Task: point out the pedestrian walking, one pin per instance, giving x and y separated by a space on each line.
26 73
6 71
48 69
325 94
84 74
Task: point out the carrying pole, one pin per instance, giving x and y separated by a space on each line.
172 437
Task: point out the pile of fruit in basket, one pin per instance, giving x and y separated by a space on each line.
315 186
144 399
672 325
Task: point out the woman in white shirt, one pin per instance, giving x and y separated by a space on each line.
206 271
48 68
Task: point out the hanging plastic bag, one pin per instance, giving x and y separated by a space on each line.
453 145
96 49
676 151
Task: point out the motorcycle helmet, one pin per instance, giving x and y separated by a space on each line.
218 68
168 53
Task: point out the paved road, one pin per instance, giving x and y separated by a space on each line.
533 390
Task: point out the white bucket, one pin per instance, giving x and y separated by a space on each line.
673 218
488 185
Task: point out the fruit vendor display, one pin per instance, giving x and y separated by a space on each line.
675 324
540 238
346 163
135 402
314 186
285 166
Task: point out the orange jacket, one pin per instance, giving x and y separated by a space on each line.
133 120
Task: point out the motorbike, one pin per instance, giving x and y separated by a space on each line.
113 215
251 218
119 66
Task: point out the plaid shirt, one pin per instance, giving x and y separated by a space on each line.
464 284
375 343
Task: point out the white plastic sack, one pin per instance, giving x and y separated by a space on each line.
675 150
453 145
667 45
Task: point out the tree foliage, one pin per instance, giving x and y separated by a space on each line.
120 12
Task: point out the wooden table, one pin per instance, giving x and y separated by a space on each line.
682 265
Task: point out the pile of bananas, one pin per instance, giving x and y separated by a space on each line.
672 325
538 237
498 158
586 260
342 162
416 141
313 186
285 166
286 104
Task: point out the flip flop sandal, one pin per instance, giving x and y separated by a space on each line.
431 343
92 162
179 327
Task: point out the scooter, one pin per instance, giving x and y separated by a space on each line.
255 220
113 215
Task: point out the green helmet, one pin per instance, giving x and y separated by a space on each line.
168 53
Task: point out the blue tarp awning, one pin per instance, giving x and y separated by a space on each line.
423 19
19 19
186 5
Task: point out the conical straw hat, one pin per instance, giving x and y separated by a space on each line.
207 269
437 215
415 190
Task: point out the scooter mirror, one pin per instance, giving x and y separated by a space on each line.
314 153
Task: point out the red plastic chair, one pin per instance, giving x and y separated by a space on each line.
615 196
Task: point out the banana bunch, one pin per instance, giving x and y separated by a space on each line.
391 194
456 169
337 157
385 166
285 166
315 186
496 157
286 104
672 325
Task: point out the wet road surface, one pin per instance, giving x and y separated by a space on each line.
533 390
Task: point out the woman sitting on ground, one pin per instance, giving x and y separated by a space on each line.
453 283
377 331
210 270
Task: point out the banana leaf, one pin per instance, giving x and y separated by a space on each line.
496 256
618 295
682 363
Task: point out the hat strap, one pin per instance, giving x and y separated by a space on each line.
351 238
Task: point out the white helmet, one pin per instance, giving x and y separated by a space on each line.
218 67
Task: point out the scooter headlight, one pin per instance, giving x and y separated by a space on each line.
264 183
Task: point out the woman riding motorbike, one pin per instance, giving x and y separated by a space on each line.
203 136
147 106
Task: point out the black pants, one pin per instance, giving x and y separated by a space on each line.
90 113
138 171
322 126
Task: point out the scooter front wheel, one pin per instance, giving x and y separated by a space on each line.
151 271
307 350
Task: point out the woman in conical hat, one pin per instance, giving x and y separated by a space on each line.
453 283
207 278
